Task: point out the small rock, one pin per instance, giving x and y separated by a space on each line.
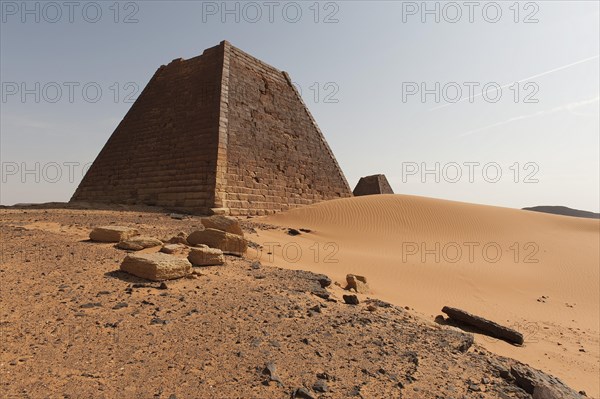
302 393
163 286
120 305
320 386
474 388
271 370
324 281
351 299
293 232
357 283
91 305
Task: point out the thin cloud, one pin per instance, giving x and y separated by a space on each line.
565 107
522 80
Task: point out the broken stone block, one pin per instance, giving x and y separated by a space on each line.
138 243
206 256
156 266
223 223
112 233
232 244
357 283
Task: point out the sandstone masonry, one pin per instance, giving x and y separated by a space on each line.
222 132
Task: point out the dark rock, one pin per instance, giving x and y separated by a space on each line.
256 265
120 305
302 393
91 305
474 388
320 386
322 294
293 232
163 286
324 281
494 329
271 371
351 299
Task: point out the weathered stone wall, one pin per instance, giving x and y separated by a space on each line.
164 152
277 158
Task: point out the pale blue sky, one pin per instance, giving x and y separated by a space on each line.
370 57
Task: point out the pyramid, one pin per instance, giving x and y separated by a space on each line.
222 132
374 184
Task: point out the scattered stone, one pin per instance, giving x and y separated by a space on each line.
206 256
351 299
120 305
163 286
232 244
271 371
305 230
322 294
156 266
323 376
496 330
180 238
302 393
157 320
138 243
112 233
474 388
293 232
256 265
357 283
320 386
324 281
91 305
223 223
178 216
174 249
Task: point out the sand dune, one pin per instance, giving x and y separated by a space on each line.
536 272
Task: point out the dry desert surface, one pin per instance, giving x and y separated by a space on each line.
264 326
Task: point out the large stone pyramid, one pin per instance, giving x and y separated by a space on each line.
222 132
374 184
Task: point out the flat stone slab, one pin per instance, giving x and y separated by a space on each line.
206 256
156 266
138 243
232 244
494 329
112 233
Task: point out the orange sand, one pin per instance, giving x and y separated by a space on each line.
408 247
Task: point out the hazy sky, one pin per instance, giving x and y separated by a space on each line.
388 84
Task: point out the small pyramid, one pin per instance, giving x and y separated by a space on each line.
222 132
375 184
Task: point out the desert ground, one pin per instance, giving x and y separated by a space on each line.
544 282
74 326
